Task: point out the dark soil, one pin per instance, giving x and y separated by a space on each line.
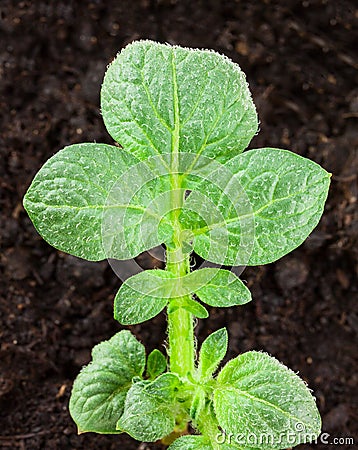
300 61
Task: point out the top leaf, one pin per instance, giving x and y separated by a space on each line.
158 99
97 201
68 198
266 208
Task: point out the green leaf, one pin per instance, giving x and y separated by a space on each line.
165 386
143 296
99 391
212 352
146 294
191 443
194 307
270 205
68 196
197 404
217 287
202 443
97 201
158 98
135 218
156 363
148 416
259 396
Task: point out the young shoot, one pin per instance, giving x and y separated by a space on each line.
180 179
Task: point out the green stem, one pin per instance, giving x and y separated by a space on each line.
181 342
180 322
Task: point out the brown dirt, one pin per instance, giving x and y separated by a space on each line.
300 61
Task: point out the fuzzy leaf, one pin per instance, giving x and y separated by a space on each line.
270 205
156 363
165 386
100 389
202 443
158 98
148 417
197 404
135 218
143 296
258 396
97 201
194 308
68 197
217 287
191 443
212 351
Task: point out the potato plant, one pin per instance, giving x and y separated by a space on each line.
179 179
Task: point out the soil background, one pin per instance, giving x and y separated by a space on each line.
300 62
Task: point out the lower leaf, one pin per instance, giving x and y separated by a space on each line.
259 398
150 410
211 354
99 391
191 443
156 364
202 443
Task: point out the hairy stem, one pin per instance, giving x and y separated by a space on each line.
180 322
181 341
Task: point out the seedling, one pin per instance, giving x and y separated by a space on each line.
182 118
